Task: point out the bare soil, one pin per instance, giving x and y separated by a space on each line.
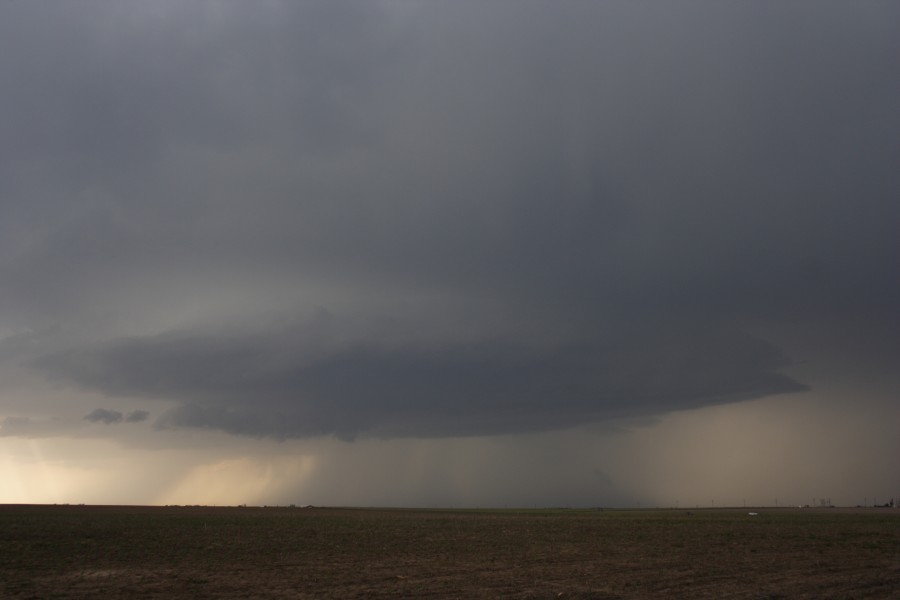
207 552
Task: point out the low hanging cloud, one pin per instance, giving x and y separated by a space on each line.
104 415
111 417
278 383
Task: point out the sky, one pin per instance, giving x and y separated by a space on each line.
400 253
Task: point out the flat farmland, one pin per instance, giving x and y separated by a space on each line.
219 552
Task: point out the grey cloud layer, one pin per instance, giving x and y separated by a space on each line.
634 186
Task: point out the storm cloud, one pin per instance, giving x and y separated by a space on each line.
638 199
428 220
285 383
104 415
110 417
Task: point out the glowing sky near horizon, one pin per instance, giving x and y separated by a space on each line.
449 254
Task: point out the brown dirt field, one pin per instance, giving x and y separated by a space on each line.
203 552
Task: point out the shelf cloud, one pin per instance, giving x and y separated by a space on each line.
277 383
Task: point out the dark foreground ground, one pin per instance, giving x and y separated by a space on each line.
194 552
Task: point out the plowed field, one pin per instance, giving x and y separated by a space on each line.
206 552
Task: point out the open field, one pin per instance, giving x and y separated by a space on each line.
205 552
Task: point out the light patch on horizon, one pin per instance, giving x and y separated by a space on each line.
239 481
30 477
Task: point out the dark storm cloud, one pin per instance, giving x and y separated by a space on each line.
104 415
278 383
109 417
613 200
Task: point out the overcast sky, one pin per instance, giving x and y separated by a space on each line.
449 253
